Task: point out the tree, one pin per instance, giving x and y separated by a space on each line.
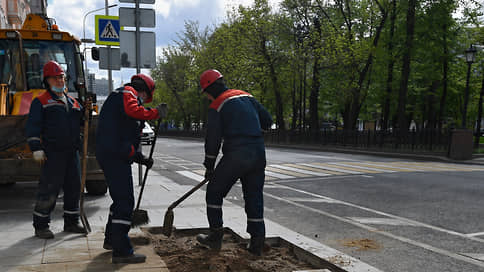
402 98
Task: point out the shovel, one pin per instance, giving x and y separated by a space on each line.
84 221
170 216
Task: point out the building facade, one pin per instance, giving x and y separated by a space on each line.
14 12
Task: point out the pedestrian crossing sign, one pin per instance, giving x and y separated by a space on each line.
107 30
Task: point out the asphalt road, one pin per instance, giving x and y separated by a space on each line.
394 214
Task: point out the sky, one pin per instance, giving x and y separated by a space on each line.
170 18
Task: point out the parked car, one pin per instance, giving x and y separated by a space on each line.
148 135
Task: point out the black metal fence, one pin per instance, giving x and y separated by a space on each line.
427 140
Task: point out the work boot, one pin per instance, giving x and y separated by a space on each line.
213 240
74 228
256 245
107 245
44 233
129 259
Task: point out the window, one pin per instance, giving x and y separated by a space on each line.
36 54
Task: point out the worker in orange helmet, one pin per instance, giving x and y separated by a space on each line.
238 119
53 134
118 145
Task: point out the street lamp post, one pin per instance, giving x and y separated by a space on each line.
84 35
470 55
477 138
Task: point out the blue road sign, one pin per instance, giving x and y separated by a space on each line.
107 30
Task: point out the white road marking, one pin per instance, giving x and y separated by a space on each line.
312 200
384 233
297 170
362 167
177 161
191 175
332 169
278 175
381 221
320 178
416 223
477 256
475 234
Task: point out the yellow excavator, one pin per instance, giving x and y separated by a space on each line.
23 53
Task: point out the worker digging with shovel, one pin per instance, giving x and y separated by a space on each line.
53 134
238 119
117 146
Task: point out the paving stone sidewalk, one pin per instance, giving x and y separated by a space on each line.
21 251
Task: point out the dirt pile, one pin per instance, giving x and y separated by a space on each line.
182 253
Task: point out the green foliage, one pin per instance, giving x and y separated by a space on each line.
333 56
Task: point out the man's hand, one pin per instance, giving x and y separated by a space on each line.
148 162
162 110
140 158
88 104
39 156
209 173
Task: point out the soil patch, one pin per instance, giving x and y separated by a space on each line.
181 252
362 244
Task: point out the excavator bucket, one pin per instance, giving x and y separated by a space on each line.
12 134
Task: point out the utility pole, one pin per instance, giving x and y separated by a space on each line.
138 38
138 69
110 72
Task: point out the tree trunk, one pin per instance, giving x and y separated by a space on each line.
402 96
313 99
294 104
430 105
356 101
316 84
186 120
275 86
386 105
444 79
477 138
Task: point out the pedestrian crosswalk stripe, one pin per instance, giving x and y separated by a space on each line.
397 166
200 172
315 169
358 168
423 167
345 170
301 171
279 176
191 175
458 167
381 221
285 172
385 167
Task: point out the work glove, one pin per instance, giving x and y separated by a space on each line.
39 156
162 110
140 158
209 173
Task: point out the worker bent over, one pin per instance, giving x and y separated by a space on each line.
239 119
117 146
53 134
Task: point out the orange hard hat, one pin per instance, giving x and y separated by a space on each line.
209 77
